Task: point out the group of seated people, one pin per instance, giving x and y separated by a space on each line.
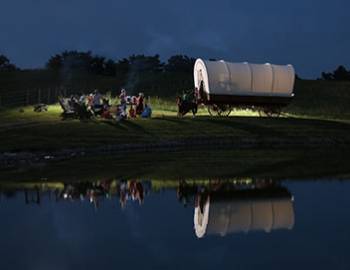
99 105
137 105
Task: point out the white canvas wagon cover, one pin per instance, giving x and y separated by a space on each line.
226 217
244 79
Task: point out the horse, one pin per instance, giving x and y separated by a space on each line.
185 106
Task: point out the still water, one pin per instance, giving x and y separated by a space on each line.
148 224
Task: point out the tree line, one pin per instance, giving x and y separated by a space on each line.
82 71
87 62
6 65
339 74
71 61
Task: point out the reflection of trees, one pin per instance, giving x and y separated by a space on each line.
32 196
9 193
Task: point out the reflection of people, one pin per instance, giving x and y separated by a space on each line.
132 189
140 194
123 193
136 191
33 197
184 191
93 198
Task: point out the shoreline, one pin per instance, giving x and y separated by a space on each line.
16 159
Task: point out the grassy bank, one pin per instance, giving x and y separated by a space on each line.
322 99
195 165
319 116
29 131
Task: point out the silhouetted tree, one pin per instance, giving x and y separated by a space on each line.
340 74
5 64
69 61
180 63
136 73
55 62
96 64
327 76
110 68
142 63
122 69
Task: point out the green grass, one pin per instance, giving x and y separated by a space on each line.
319 113
313 98
274 164
321 99
28 130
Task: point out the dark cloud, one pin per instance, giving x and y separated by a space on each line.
312 35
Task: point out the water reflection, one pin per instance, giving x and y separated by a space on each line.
224 211
93 192
221 207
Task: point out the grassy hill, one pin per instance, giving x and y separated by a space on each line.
26 130
324 99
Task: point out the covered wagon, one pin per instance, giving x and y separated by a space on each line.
222 215
222 86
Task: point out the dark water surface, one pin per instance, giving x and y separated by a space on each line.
145 224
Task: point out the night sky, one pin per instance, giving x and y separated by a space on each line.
314 36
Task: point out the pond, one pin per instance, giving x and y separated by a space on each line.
236 223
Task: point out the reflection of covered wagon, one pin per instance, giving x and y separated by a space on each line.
222 86
223 216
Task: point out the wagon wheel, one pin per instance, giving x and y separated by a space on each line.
270 112
221 110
